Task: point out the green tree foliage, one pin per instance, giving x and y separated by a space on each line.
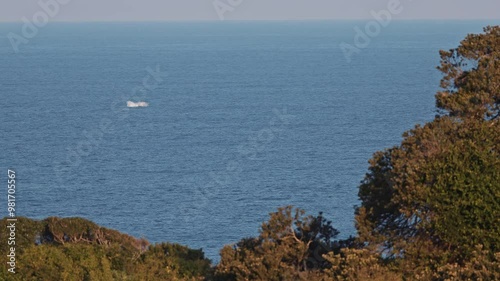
359 264
433 198
77 249
69 262
173 261
471 83
290 247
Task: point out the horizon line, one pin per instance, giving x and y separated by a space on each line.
254 20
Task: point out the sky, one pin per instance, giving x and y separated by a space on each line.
167 10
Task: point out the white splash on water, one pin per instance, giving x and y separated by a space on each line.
137 104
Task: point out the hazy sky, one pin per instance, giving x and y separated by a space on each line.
152 10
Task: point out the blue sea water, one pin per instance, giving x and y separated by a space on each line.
245 117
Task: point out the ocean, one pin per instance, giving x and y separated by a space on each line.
241 118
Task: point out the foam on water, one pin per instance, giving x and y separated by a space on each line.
137 104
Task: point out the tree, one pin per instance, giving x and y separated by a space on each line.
290 247
433 198
172 262
471 77
77 249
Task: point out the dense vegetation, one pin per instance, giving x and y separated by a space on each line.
77 249
429 210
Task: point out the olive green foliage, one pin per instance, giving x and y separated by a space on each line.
290 247
433 199
471 72
359 264
77 249
440 185
479 266
174 261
